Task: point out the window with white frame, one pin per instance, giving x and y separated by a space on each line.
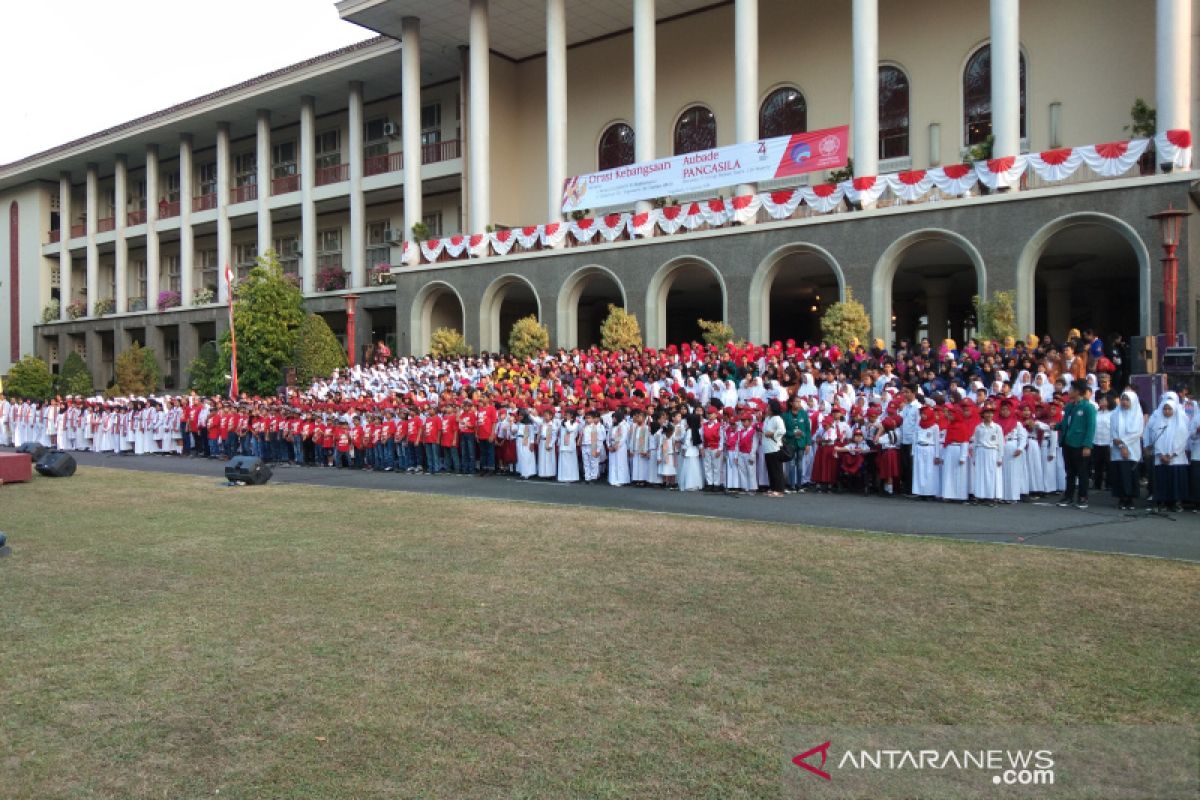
171 187
375 141
434 223
208 178
329 248
431 123
283 159
207 270
378 249
170 265
110 200
245 169
329 149
245 256
137 195
110 282
139 278
287 248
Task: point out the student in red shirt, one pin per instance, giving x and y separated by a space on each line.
431 434
449 440
466 439
485 435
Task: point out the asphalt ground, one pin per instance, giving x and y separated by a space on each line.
1101 528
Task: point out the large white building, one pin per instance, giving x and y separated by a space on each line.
121 236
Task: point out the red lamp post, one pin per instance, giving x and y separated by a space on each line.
351 311
1171 224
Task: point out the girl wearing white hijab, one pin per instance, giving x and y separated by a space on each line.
1126 424
1044 386
808 388
1168 437
1194 466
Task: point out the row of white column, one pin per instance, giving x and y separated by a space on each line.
307 164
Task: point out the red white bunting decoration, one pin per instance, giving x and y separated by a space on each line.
1113 159
782 204
954 180
822 198
432 249
910 186
693 217
864 190
670 219
612 226
477 245
643 224
553 234
715 213
1056 165
583 230
1001 173
744 208
528 237
502 242
455 246
1174 148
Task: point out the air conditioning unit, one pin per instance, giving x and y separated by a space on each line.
391 129
393 236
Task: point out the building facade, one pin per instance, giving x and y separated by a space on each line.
122 236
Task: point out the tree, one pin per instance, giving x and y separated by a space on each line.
620 329
267 312
137 371
995 318
206 373
715 333
528 337
448 343
30 379
318 351
74 377
845 322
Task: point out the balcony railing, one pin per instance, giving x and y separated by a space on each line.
334 174
441 151
106 224
244 193
378 165
204 202
79 230
167 210
54 236
136 217
288 183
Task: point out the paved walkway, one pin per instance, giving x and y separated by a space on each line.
1101 528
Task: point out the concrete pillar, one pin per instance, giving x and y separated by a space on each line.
480 128
308 208
1006 77
121 254
1173 76
556 105
152 249
937 308
1058 301
65 289
187 239
644 84
262 179
224 234
189 348
154 341
358 211
92 287
410 122
94 358
865 57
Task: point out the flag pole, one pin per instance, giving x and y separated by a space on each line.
233 383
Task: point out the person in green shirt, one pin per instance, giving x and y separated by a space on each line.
798 433
1077 431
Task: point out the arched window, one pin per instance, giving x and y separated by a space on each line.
695 130
893 113
977 96
783 113
616 146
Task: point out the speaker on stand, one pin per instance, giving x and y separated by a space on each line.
248 470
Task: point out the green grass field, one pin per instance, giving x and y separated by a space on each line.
168 638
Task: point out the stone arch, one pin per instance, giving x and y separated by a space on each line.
659 312
573 290
1036 247
889 263
770 268
495 320
433 307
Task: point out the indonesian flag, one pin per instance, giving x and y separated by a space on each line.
233 381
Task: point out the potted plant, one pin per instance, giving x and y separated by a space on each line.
77 309
202 296
421 232
382 274
52 311
104 305
137 304
1143 125
168 299
331 279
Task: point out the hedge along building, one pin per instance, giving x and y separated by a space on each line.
506 99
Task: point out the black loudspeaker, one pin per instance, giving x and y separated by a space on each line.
56 464
247 469
35 451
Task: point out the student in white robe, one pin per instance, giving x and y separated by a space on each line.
654 476
592 446
5 421
712 449
926 452
527 438
691 471
1013 454
664 440
568 447
639 471
956 452
618 451
987 458
732 474
1126 426
748 454
547 455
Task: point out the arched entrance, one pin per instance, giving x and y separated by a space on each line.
583 304
437 305
790 290
684 290
1084 271
508 299
924 287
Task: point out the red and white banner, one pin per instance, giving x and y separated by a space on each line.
709 170
1174 148
233 379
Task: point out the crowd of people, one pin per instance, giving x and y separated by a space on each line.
988 423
